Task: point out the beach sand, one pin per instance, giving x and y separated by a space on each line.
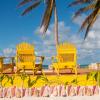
56 98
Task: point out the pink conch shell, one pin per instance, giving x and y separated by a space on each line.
51 90
36 92
81 91
1 92
59 88
72 91
55 92
46 92
5 92
18 93
9 93
96 90
89 91
63 91
13 91
33 90
68 89
22 92
27 92
30 91
77 90
42 90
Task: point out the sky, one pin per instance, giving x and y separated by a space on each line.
15 29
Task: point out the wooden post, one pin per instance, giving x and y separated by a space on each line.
1 64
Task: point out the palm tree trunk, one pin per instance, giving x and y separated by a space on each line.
56 25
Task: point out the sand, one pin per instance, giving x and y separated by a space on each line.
56 98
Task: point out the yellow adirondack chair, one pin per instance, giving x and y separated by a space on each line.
25 57
66 57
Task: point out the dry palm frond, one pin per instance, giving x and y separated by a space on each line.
47 15
94 6
34 4
89 21
77 2
84 9
24 2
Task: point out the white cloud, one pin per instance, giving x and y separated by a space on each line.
8 52
79 19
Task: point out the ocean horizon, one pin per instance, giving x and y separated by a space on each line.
82 66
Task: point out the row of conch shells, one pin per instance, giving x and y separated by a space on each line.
49 91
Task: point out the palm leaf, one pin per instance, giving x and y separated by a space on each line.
93 75
97 4
84 9
66 83
11 79
74 81
96 76
92 20
77 2
47 15
24 2
23 76
44 78
2 77
30 82
88 28
7 79
88 76
89 19
34 5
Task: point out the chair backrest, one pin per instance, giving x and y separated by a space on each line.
25 54
66 53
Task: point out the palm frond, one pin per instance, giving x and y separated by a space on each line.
77 2
34 5
94 6
23 76
2 76
24 2
88 76
88 22
97 4
90 25
11 79
74 81
84 9
47 15
31 82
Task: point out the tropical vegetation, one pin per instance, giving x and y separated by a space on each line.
93 9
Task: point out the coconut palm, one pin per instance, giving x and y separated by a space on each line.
50 7
87 5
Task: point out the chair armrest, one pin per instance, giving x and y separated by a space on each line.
41 58
54 58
